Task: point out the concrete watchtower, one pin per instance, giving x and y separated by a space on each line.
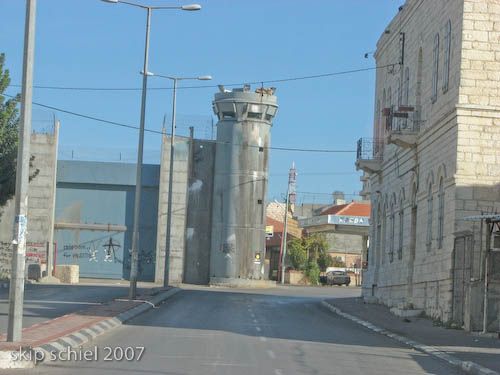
240 183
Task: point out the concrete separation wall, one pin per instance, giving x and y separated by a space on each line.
179 205
40 205
199 213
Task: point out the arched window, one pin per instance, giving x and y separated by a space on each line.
389 97
435 68
391 234
378 235
407 86
429 218
381 133
401 228
389 105
447 55
384 233
441 214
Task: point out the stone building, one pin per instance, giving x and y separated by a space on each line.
433 159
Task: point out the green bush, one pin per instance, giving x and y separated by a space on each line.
312 272
297 254
337 262
324 261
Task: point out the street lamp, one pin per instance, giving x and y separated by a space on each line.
171 170
138 184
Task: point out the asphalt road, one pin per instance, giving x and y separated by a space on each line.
217 331
45 302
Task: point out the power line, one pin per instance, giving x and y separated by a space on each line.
212 86
312 193
317 174
159 132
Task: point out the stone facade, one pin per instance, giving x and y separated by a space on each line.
443 59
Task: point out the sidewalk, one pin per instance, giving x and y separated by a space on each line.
44 302
484 351
77 328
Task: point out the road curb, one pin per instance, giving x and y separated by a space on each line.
467 366
78 338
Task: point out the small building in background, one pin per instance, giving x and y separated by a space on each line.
275 219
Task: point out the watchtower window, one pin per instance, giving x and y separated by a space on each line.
228 115
256 115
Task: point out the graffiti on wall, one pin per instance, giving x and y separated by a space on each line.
36 253
145 257
90 250
108 250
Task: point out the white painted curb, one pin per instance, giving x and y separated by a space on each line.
81 337
7 360
467 366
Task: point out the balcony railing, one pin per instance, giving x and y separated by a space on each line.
402 125
368 149
369 154
401 118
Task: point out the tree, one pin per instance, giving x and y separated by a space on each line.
297 254
337 262
309 254
9 133
324 260
312 271
9 125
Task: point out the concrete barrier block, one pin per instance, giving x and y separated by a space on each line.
34 271
68 273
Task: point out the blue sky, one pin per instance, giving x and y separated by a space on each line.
89 43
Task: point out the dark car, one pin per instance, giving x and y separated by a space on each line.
338 278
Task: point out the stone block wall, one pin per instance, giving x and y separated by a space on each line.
407 174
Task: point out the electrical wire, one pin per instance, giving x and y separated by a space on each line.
317 174
312 193
212 86
159 132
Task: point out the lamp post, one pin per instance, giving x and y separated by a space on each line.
171 169
16 291
138 184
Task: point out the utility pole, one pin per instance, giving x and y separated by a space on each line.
16 292
290 198
283 238
134 261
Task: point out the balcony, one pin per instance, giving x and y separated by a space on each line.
369 155
402 126
365 192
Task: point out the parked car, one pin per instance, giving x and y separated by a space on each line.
338 278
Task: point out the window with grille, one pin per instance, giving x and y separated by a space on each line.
447 55
391 239
441 214
435 68
406 94
429 218
384 234
401 229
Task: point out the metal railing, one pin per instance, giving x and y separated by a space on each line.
397 122
369 149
